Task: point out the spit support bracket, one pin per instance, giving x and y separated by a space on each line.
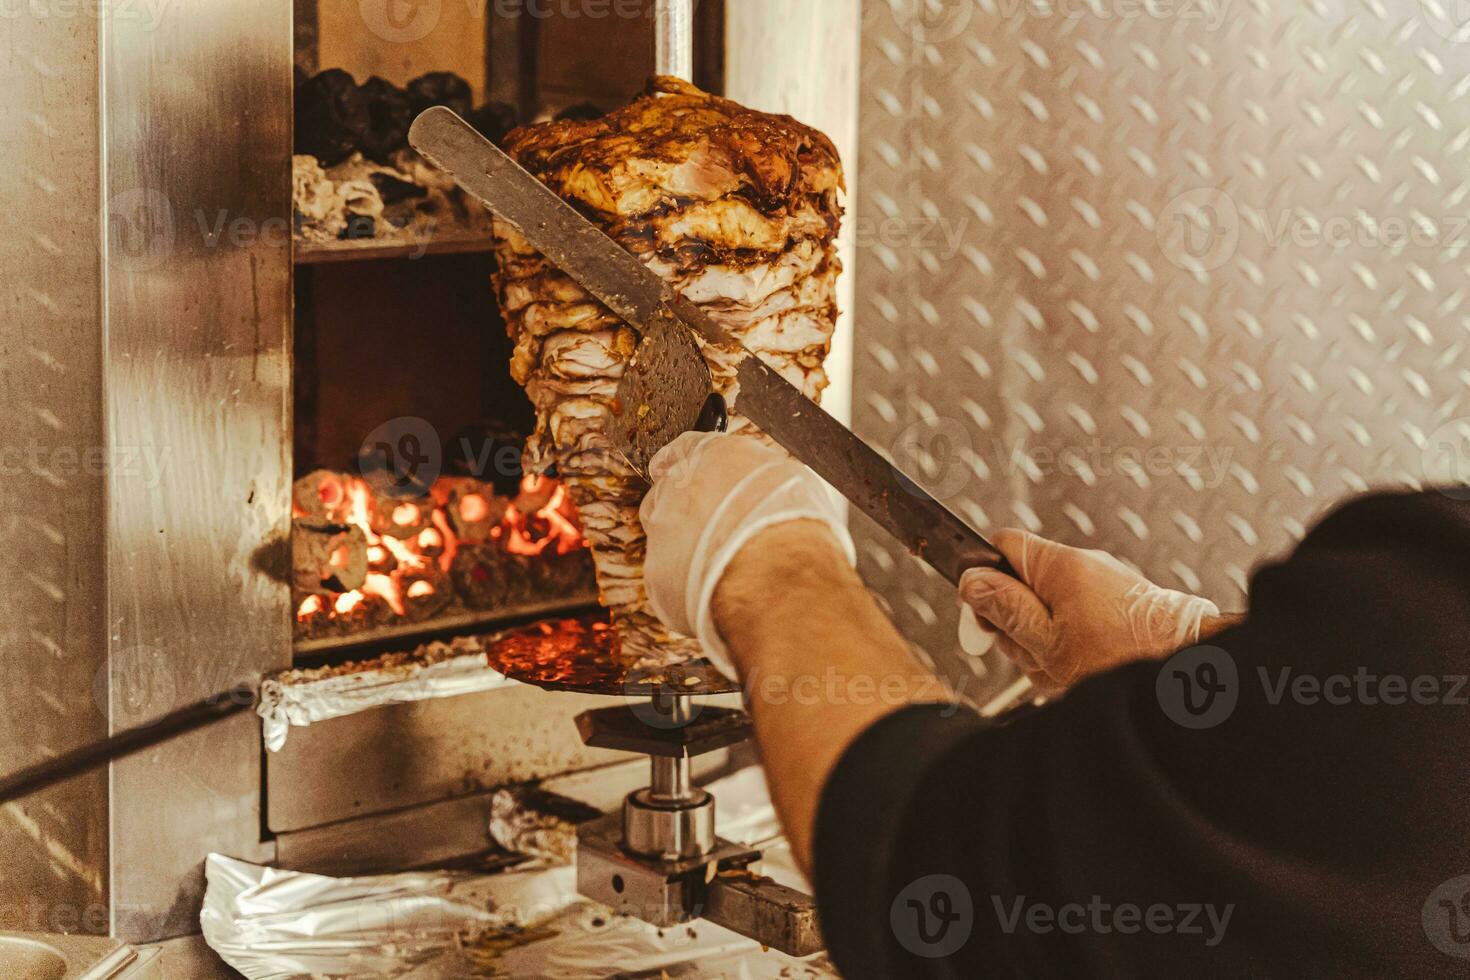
659 860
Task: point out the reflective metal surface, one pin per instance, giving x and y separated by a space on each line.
663 892
671 830
1167 281
802 59
53 462
407 755
58 957
753 905
198 293
674 38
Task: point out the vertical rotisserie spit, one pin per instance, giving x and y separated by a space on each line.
739 211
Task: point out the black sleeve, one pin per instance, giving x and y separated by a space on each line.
1291 801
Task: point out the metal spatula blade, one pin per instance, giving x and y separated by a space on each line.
663 392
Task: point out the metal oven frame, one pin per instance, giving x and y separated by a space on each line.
146 384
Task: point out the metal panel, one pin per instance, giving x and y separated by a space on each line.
52 465
198 292
1163 279
409 754
802 59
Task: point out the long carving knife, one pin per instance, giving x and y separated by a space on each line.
667 385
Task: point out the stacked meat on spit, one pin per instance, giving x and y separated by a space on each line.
739 211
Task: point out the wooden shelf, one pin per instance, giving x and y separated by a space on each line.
375 249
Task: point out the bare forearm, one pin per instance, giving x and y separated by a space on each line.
818 659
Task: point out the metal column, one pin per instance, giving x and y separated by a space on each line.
675 38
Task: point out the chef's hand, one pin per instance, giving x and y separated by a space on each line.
1075 613
712 493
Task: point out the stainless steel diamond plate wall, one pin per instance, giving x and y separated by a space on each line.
1164 278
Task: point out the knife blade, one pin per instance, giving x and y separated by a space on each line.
668 379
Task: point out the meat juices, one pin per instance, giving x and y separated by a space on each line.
739 211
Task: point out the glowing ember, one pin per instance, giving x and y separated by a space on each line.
386 587
472 507
553 526
540 521
310 606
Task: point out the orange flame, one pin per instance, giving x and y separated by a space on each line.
561 532
551 530
310 606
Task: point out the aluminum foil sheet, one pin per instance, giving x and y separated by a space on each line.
272 925
438 670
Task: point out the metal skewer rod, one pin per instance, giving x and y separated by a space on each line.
675 32
74 763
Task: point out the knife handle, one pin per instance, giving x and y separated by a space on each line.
715 416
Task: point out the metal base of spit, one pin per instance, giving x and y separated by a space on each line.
659 859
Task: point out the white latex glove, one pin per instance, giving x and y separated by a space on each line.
1075 613
711 494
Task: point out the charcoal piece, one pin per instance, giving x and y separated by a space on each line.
322 495
558 575
426 591
327 558
389 114
395 191
494 120
581 112
399 517
483 575
331 117
441 88
472 507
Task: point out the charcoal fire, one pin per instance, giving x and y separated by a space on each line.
363 560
